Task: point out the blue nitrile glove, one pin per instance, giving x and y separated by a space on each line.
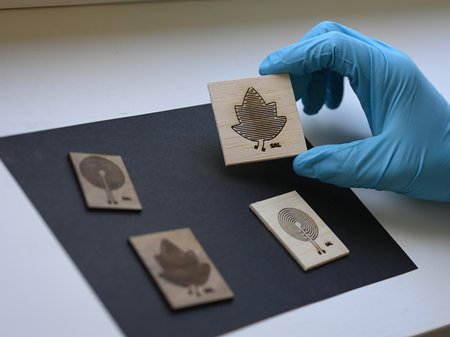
410 120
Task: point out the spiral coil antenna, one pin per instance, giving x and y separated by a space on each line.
300 226
104 174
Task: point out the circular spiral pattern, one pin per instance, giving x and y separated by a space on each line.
290 219
94 168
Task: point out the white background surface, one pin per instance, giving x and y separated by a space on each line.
66 66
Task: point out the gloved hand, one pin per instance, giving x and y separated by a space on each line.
410 120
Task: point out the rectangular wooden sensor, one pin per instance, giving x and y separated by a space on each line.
257 119
105 181
300 230
181 268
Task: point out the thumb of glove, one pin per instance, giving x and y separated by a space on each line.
361 163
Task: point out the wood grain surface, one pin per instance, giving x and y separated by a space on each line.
257 119
300 230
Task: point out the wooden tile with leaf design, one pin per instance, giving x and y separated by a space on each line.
257 119
181 268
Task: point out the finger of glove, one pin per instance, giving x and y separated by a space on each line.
331 51
330 26
334 90
356 164
303 89
315 94
310 88
300 85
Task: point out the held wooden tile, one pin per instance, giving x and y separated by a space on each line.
181 268
257 119
105 181
300 230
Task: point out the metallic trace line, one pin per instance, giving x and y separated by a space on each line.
314 243
108 191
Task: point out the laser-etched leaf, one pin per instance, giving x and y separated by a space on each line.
258 120
182 268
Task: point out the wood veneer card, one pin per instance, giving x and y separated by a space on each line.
105 181
301 231
181 268
257 119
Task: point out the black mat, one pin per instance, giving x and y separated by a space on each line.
175 161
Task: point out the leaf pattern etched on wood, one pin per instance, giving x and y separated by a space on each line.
258 120
183 268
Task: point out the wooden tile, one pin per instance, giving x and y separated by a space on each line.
105 181
257 119
181 268
300 230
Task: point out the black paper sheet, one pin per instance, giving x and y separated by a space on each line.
175 161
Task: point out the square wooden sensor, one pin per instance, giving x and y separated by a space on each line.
181 268
257 119
300 230
105 181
